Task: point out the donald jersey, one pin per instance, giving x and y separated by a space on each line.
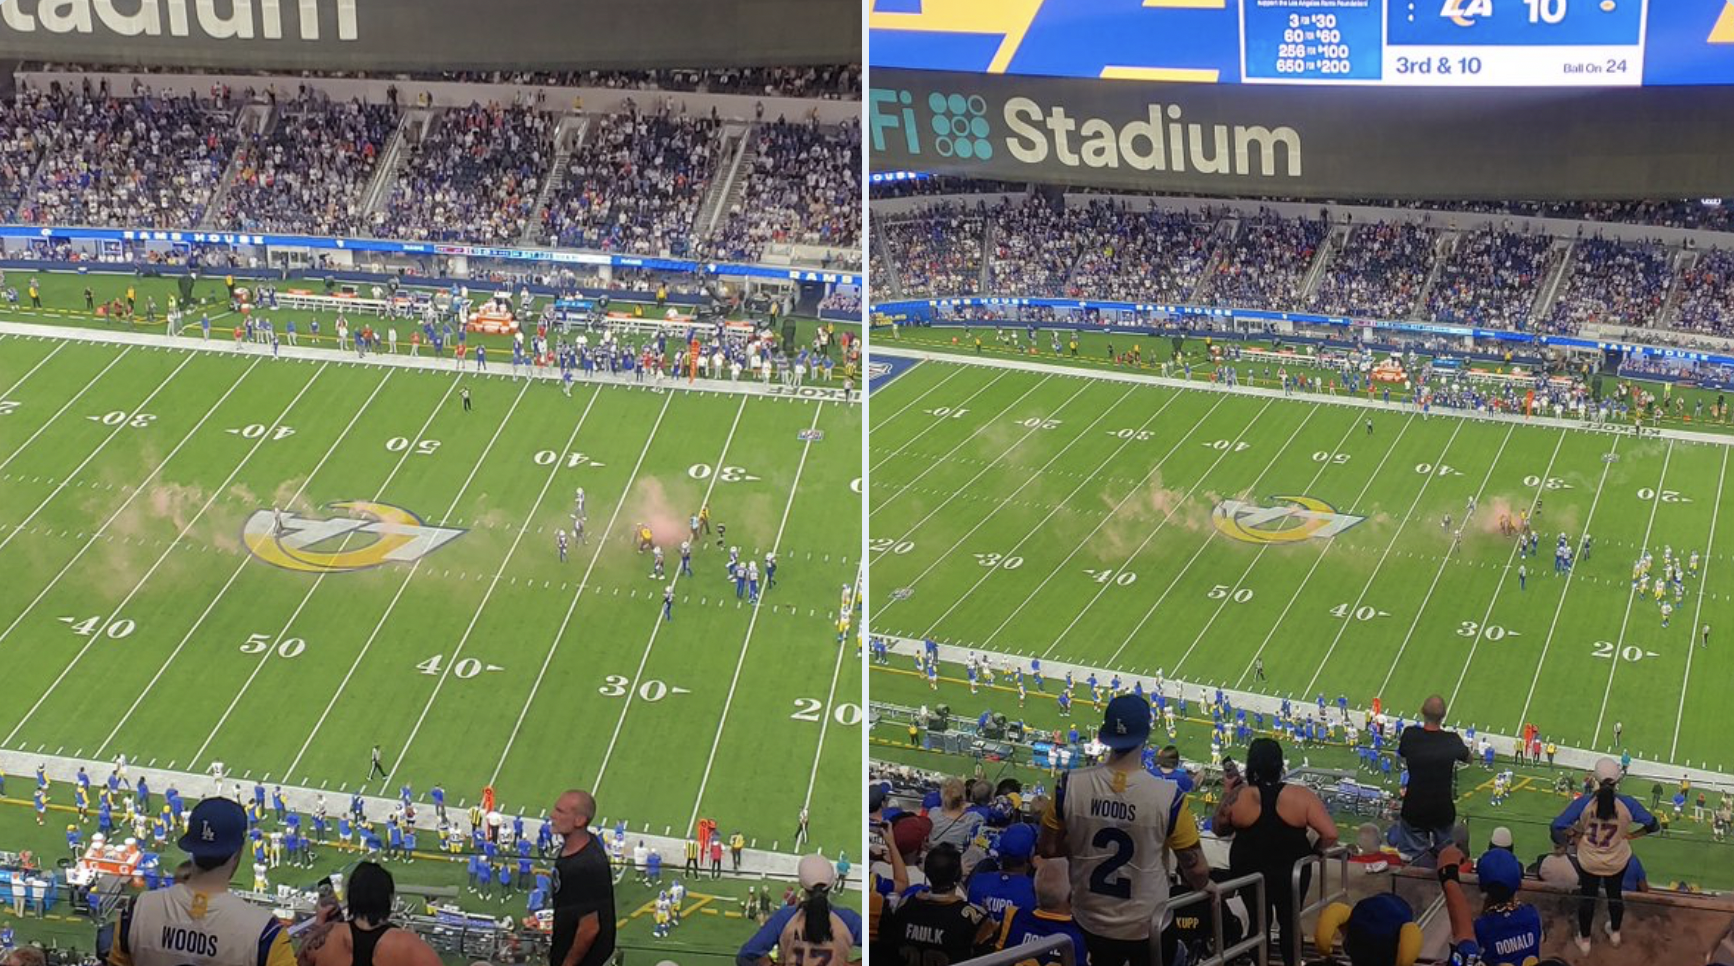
1509 935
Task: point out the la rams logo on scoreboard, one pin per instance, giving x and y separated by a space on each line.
385 534
1288 519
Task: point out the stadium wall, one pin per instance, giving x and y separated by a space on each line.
594 100
391 35
1350 213
1250 140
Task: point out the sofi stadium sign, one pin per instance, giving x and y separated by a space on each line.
1325 142
208 19
960 125
394 35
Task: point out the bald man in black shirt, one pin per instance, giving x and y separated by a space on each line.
583 899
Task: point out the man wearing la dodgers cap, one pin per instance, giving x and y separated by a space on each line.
1116 823
199 922
1010 886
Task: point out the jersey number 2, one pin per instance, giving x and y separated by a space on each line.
1102 881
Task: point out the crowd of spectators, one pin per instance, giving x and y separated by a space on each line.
1379 273
804 188
1136 256
151 161
1035 245
842 299
309 173
1707 294
1680 213
1492 278
1612 283
964 866
938 249
827 82
1267 263
940 184
21 141
474 177
634 183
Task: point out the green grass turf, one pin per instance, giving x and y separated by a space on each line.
1093 357
141 524
710 934
1688 852
1019 540
63 304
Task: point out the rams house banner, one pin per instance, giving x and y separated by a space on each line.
1343 142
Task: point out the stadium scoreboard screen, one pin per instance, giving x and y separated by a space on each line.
1432 43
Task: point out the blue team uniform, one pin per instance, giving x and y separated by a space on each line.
1001 893
1509 938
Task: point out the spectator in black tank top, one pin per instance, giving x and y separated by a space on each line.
1269 821
583 888
369 938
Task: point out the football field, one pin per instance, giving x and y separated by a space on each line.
1138 527
414 597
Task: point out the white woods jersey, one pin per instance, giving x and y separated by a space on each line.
1118 829
795 950
180 927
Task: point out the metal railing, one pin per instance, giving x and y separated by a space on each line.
1034 950
1257 937
1338 854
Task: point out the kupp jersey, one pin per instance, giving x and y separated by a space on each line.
793 947
1118 827
180 927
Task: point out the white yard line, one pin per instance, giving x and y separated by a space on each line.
1221 605
427 363
113 434
1698 608
752 622
578 593
831 702
986 424
120 608
643 657
585 581
416 566
1204 544
1155 467
94 380
266 655
1220 454
1145 379
937 423
7 395
955 493
145 692
1486 615
1006 501
1631 598
1560 607
1361 598
930 390
1317 561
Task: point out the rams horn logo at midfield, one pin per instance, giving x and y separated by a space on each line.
319 546
1291 519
